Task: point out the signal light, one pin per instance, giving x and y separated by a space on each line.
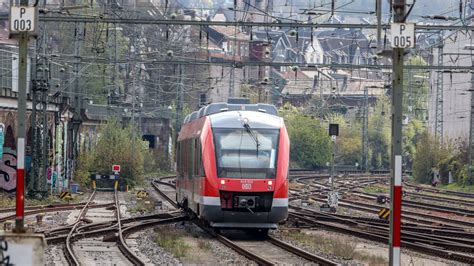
270 183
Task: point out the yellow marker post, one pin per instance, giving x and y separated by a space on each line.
94 186
116 185
126 188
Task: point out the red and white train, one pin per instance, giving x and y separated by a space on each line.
232 166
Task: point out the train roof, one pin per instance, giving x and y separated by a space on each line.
215 108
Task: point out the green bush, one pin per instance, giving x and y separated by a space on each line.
310 144
114 145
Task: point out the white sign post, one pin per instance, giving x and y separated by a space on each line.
403 35
23 19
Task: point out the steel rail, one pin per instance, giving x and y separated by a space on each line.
126 230
158 190
248 254
443 191
406 215
122 245
44 207
424 205
444 199
69 254
302 253
61 208
439 231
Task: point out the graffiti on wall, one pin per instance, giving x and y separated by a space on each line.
8 172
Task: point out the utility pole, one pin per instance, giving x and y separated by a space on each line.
34 173
231 82
365 131
40 131
77 101
439 91
397 117
20 172
471 122
378 11
45 135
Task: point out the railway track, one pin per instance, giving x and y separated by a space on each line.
44 207
55 208
446 248
69 253
58 235
451 239
423 205
247 248
89 249
443 191
409 215
448 240
122 245
272 251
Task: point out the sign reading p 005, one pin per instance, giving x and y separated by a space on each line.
23 19
403 35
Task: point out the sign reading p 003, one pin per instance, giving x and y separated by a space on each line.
403 35
23 19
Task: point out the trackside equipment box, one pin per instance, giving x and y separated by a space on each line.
22 249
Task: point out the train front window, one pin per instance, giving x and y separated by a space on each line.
244 154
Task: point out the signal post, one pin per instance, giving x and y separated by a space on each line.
19 247
23 23
402 36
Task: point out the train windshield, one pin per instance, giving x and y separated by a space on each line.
244 153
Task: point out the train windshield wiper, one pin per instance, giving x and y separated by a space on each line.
252 134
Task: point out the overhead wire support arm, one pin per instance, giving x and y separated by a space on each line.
302 66
280 24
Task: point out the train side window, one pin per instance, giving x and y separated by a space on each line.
178 156
190 158
191 155
201 166
197 157
185 161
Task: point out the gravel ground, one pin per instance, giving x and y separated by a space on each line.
154 253
215 254
220 253
50 220
54 255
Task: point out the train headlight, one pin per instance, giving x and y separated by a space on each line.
270 183
222 182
